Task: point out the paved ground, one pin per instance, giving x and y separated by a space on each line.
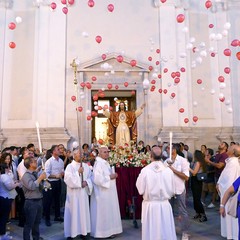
209 230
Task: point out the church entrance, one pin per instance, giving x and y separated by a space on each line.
112 100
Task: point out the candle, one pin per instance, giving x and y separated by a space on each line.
113 169
38 136
170 147
43 165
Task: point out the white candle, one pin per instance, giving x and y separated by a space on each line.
38 136
113 169
43 165
170 147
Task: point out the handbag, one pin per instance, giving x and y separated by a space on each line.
202 177
233 205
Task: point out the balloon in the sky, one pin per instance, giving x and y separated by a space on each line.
110 7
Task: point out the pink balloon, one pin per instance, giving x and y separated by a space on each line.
65 10
227 52
133 63
195 118
238 55
208 4
158 50
73 98
80 109
221 79
176 80
149 58
82 84
64 1
12 25
110 7
227 70
71 2
186 120
116 87
12 45
94 78
173 74
222 99
150 68
181 110
95 97
120 58
178 74
53 5
182 69
125 84
153 81
165 91
89 118
199 81
109 86
165 70
98 39
173 95
235 43
159 76
91 3
180 18
157 62
104 56
163 1
210 25
160 90
133 92
213 54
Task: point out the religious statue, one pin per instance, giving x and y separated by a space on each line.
122 126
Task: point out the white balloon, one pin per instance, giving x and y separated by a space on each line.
95 103
155 75
227 102
189 46
221 95
103 89
222 85
183 55
96 108
202 44
229 110
18 19
211 49
227 25
115 99
151 49
203 53
219 37
82 97
212 91
146 83
212 36
185 29
199 60
192 40
169 84
106 74
195 103
85 34
225 33
193 64
203 88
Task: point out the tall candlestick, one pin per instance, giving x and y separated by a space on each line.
38 135
170 147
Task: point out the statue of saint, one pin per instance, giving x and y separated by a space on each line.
122 125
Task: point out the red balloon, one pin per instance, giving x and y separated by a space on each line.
173 74
88 85
160 90
80 109
150 59
157 62
133 92
178 74
73 98
213 54
12 44
176 80
199 81
65 10
133 63
165 70
150 68
104 56
116 87
238 55
101 94
82 84
94 114
125 84
120 58
11 25
110 7
159 76
222 99
64 1
152 89
221 79
94 78
227 52
235 43
158 50
186 120
70 2
100 141
173 95
153 81
182 69
95 97
195 118
91 3
227 70
208 4
181 110
109 86
210 25
165 91
180 18
53 5
98 39
163 1
89 118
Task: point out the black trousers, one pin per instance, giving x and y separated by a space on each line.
20 200
33 214
52 195
196 187
5 208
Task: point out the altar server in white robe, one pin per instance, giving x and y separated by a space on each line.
156 183
104 207
79 187
229 224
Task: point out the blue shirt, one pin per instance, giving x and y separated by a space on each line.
236 185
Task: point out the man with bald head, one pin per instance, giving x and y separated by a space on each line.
156 184
229 224
104 206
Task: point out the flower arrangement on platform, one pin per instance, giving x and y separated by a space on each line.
128 156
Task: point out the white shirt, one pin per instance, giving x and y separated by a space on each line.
181 165
21 169
54 166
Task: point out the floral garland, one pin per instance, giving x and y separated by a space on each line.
128 156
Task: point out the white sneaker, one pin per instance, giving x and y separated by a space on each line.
185 236
211 205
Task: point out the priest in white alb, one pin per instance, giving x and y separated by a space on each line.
79 187
104 207
156 184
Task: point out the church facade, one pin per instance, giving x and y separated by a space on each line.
179 57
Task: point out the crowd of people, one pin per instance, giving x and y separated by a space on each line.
81 181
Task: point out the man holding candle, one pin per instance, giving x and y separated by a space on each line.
180 168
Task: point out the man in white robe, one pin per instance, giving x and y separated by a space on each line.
104 207
156 184
79 187
229 224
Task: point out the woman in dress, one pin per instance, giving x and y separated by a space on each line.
199 166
